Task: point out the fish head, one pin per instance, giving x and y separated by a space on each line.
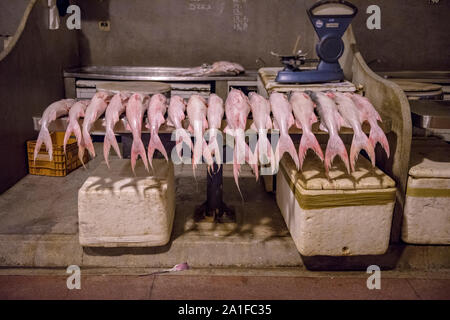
215 99
177 102
158 98
332 95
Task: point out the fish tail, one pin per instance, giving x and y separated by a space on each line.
155 144
214 148
88 142
335 147
361 142
44 137
251 159
377 135
264 149
308 141
110 140
285 144
138 149
69 130
236 169
81 150
207 153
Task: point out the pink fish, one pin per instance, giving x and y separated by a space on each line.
349 111
303 109
369 114
75 113
134 111
175 116
262 122
196 111
51 113
331 122
115 108
155 114
224 68
237 108
283 120
94 110
215 114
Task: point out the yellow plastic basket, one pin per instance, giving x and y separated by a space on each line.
62 164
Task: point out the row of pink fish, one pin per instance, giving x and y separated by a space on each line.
334 109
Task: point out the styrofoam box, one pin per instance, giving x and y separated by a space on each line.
344 216
119 209
426 218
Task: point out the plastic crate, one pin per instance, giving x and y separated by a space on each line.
62 164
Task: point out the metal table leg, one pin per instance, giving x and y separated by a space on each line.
214 209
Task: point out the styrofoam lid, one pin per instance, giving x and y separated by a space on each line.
430 158
312 176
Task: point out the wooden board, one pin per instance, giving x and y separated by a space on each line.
268 75
99 126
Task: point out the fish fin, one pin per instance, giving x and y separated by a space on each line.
138 149
106 148
312 119
291 120
110 140
170 123
341 121
335 147
155 144
253 127
263 148
67 135
81 150
308 141
214 148
236 169
377 135
88 142
228 131
161 119
268 122
44 137
275 124
285 144
361 142
207 154
322 127
182 136
252 160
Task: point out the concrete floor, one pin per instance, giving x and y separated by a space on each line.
254 259
206 287
40 226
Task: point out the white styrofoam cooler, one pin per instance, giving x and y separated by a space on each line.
117 209
426 218
344 216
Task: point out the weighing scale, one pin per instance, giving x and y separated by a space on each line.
330 19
